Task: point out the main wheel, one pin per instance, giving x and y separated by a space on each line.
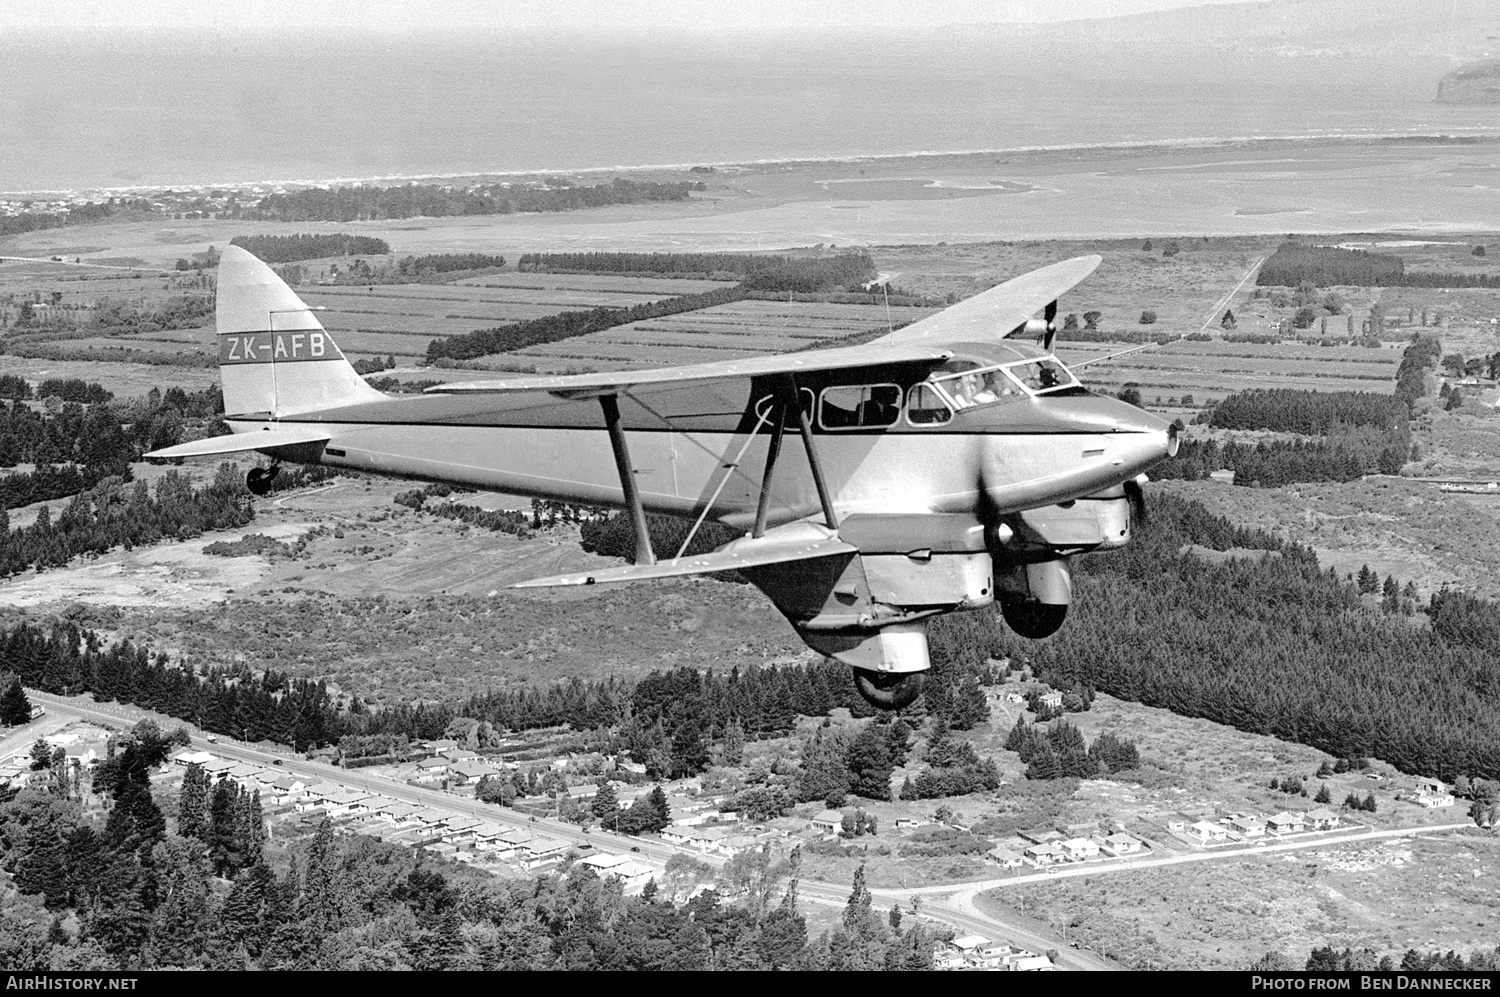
1031 619
889 690
259 479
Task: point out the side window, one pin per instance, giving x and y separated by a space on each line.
860 406
924 407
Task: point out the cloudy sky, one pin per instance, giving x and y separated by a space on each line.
535 15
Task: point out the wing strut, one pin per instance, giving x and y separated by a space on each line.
611 407
805 428
729 469
763 507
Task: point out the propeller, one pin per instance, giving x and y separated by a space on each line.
1049 314
1135 494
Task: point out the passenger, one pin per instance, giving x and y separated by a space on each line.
965 389
989 391
882 407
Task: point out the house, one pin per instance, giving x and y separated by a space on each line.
1048 854
1207 831
1248 827
1121 843
1080 849
1051 700
509 844
676 834
486 836
970 944
1014 697
1031 964
708 839
1040 836
1434 801
542 851
440 746
185 757
1004 857
1286 823
464 773
830 821
1322 818
460 830
456 754
1431 787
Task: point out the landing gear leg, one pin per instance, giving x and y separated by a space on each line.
259 479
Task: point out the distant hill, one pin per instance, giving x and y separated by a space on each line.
1478 83
1461 30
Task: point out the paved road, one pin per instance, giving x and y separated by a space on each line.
20 740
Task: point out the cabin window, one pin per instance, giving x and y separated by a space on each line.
925 407
1041 376
979 387
861 406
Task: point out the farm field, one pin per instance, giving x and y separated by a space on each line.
1211 370
724 332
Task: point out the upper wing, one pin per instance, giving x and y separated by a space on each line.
992 314
587 385
793 542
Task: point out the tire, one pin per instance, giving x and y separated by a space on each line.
1033 620
888 690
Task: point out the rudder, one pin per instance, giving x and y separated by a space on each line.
275 357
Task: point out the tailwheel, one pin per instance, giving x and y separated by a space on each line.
259 479
889 690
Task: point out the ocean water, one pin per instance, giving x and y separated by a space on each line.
86 112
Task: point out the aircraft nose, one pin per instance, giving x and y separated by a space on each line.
1141 438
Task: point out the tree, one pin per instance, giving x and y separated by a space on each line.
1477 251
1227 323
1324 796
192 803
605 805
1368 581
870 765
15 708
1148 317
1091 320
41 755
1369 803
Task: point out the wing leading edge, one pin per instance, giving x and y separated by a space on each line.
267 440
992 314
590 385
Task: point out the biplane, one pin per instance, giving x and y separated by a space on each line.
953 464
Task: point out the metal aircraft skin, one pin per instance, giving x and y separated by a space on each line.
941 467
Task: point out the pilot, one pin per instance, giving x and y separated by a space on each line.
1048 376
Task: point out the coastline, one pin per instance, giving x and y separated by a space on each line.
1477 135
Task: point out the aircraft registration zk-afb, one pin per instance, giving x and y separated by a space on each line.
950 465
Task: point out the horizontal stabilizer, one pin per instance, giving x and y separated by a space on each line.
591 385
793 542
265 439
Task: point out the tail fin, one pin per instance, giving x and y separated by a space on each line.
275 358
